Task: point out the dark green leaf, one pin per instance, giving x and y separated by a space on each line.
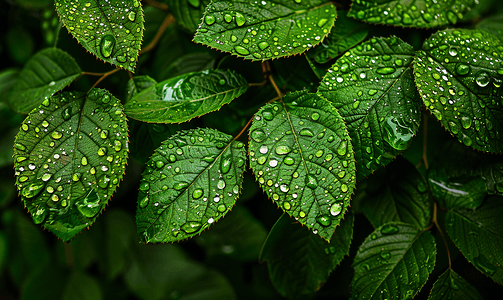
373 89
69 156
493 25
459 74
81 286
44 282
267 29
422 13
192 62
479 236
452 286
187 96
394 262
299 262
138 84
8 78
191 181
188 12
398 193
46 73
302 157
112 31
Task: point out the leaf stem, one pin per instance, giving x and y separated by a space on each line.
157 4
57 34
103 77
280 94
167 21
441 233
425 139
249 121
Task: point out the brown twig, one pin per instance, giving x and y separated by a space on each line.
157 4
103 77
167 21
441 233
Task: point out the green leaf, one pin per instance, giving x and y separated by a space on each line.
112 31
493 25
299 262
8 78
267 29
191 181
372 87
398 193
421 14
81 286
46 73
346 34
302 157
188 13
459 74
452 286
479 236
187 96
70 155
138 84
394 262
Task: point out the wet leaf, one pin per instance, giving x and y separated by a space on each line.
459 75
479 236
302 157
138 84
394 262
112 31
187 96
188 13
373 89
46 73
266 29
191 181
69 156
452 286
421 14
299 262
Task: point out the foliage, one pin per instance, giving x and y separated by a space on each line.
377 142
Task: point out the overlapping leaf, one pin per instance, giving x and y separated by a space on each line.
459 74
187 96
394 262
46 73
70 155
188 12
191 181
406 13
373 89
302 156
111 30
138 84
479 235
452 286
300 262
262 30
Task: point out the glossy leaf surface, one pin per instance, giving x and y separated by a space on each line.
191 181
112 30
406 13
452 286
459 75
70 155
394 262
302 157
479 236
266 29
299 262
46 73
373 89
187 96
188 13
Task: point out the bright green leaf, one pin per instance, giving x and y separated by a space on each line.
112 31
188 13
302 157
267 29
191 181
452 286
46 73
459 74
187 96
373 89
69 156
422 13
394 262
479 236
299 262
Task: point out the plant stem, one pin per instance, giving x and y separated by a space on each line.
103 77
425 139
57 34
157 4
441 233
167 21
280 94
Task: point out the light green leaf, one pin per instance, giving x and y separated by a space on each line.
112 31
46 73
452 286
421 14
394 262
188 12
191 181
479 236
70 155
299 262
187 96
302 157
459 75
267 29
373 89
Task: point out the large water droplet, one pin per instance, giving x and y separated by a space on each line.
240 19
306 132
342 148
311 181
132 16
32 190
386 70
56 135
462 69
144 202
225 164
324 220
103 181
191 227
197 193
209 19
180 185
336 208
258 135
282 149
398 133
67 113
263 45
389 229
466 122
107 45
482 79
90 206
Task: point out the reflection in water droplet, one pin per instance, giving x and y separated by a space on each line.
191 227
311 181
240 19
209 19
482 79
197 193
398 133
324 220
107 45
336 208
386 70
258 135
462 69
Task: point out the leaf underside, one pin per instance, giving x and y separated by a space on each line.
452 286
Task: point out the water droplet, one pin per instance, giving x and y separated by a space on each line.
56 135
102 151
336 208
398 133
322 22
388 229
180 185
32 190
209 19
466 122
324 220
342 148
482 79
76 177
406 20
197 193
462 69
107 45
144 202
258 135
263 45
386 70
117 145
306 132
282 149
19 146
103 181
132 16
315 116
145 186
221 184
311 181
289 161
287 205
46 177
240 19
191 227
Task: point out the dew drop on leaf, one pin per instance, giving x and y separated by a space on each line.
389 229
107 45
